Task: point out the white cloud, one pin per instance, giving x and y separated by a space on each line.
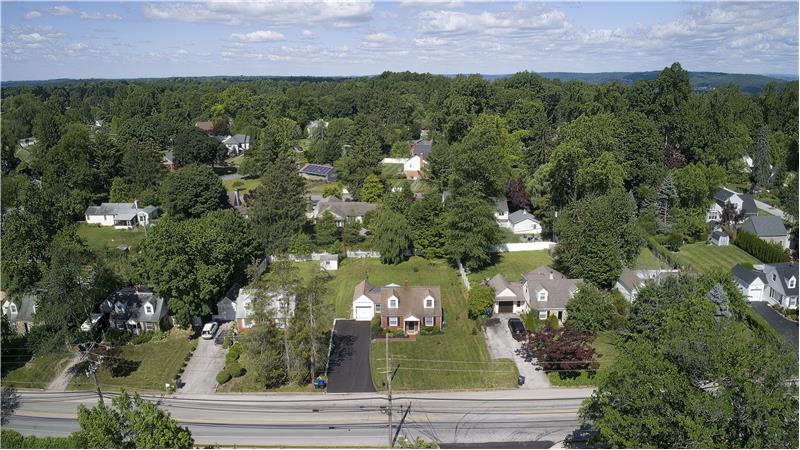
85 15
282 12
30 15
33 37
308 34
258 36
78 46
61 10
378 37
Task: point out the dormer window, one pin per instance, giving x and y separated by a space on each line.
774 277
393 302
791 283
148 308
542 296
119 307
13 308
429 302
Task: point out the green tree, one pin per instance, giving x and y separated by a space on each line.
371 190
325 230
761 166
120 191
46 128
361 161
592 310
192 146
391 235
310 328
481 299
141 165
24 241
193 191
278 211
666 195
300 244
190 262
471 230
427 220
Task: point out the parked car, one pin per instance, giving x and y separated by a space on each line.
517 328
209 330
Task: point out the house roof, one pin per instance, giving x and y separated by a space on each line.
785 272
764 226
236 139
169 156
501 205
633 280
26 304
421 147
746 275
205 125
716 234
560 289
320 170
134 301
120 211
520 215
723 195
342 209
500 284
410 299
150 209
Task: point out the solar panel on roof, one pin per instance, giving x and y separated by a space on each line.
317 169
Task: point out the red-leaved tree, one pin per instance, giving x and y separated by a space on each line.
564 349
516 195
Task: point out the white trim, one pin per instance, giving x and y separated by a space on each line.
394 319
411 319
426 302
432 321
396 302
542 315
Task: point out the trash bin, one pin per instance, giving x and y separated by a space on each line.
520 380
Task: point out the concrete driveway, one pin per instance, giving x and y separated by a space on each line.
502 345
200 375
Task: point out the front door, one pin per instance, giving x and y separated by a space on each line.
411 327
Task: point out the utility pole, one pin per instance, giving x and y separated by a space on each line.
389 383
400 425
92 369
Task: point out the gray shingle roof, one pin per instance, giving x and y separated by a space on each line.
26 304
746 275
410 299
785 272
519 216
764 226
422 148
560 289
500 284
134 302
342 209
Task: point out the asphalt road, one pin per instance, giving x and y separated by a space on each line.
348 366
336 419
786 328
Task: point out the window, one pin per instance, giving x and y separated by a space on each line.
791 283
148 308
543 296
13 308
429 321
377 308
560 315
393 302
393 321
542 315
793 303
774 277
518 303
149 326
429 302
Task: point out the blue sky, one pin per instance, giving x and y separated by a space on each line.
42 40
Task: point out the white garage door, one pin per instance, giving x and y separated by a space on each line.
363 313
756 294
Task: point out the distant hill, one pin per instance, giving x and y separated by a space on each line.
701 81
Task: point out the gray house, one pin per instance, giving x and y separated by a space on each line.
544 289
630 281
135 310
772 283
767 228
19 310
341 210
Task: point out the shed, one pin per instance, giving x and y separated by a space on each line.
720 238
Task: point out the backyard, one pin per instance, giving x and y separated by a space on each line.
513 265
145 367
705 258
36 373
245 184
647 260
101 238
456 359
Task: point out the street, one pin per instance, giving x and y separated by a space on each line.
336 419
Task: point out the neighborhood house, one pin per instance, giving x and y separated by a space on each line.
135 310
767 228
237 305
630 281
121 215
404 307
743 202
342 211
545 290
414 167
775 284
324 172
19 311
236 144
523 222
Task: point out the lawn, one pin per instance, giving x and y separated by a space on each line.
647 260
513 265
150 365
246 184
248 383
456 359
604 345
100 238
705 258
392 171
38 372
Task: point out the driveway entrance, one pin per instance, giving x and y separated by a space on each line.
348 366
502 345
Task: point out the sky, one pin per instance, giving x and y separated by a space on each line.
127 39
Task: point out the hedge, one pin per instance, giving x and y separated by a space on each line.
235 370
13 439
767 252
223 377
662 252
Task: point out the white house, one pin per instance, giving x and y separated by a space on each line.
772 283
630 281
27 142
743 203
236 144
342 211
243 307
522 222
545 290
121 215
414 167
501 212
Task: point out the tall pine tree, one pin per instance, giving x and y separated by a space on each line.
666 195
761 168
278 210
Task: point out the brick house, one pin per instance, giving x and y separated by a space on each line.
404 307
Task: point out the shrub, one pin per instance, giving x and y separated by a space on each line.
233 354
397 333
142 338
767 252
116 337
223 377
235 370
552 322
227 342
430 331
660 251
674 241
481 299
13 439
531 320
375 325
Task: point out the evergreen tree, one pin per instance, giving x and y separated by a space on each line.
278 211
372 189
193 191
761 167
722 304
325 230
666 195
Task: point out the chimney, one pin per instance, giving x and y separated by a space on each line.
551 274
135 204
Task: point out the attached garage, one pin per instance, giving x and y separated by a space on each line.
505 307
363 313
363 308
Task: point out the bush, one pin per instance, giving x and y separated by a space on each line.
227 342
481 299
660 251
430 331
552 322
116 337
674 241
142 338
13 439
233 354
397 333
531 320
764 251
375 325
223 377
235 370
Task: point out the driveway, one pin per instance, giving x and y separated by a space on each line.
786 328
348 366
502 345
200 375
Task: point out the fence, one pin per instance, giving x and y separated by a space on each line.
296 258
523 246
394 160
358 254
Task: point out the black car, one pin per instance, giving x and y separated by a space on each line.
517 328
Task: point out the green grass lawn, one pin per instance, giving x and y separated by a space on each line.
460 342
151 365
392 171
704 258
604 345
248 383
38 372
647 260
99 238
247 184
513 265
